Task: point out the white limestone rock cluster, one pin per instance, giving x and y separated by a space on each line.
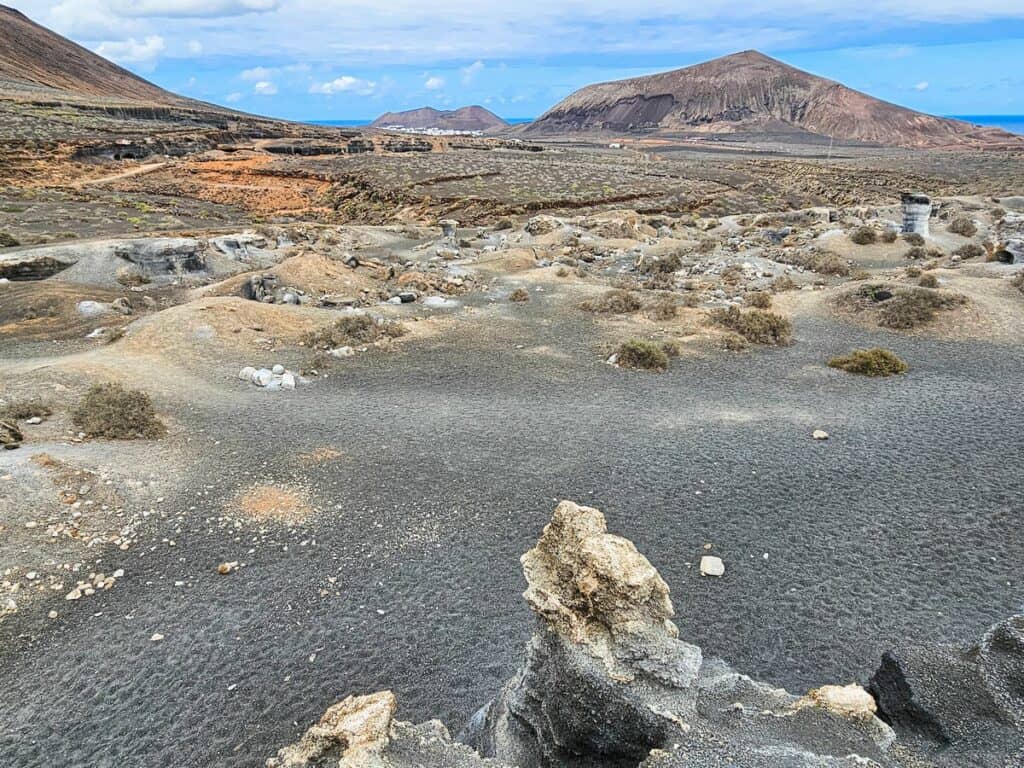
275 378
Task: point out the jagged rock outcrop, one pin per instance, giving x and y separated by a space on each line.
607 683
959 706
361 732
607 679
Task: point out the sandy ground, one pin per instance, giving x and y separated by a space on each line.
377 517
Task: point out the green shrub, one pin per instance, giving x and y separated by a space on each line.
615 302
645 355
110 410
870 362
963 226
353 330
864 235
756 325
913 238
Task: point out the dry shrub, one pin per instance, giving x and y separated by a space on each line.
912 307
890 236
963 226
562 272
353 330
667 264
110 410
822 262
1018 282
928 281
645 355
916 253
870 362
969 251
25 409
783 283
706 246
519 295
8 241
864 235
615 302
664 308
132 276
913 271
756 325
759 300
913 238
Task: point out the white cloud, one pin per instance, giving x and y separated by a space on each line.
257 73
434 83
470 72
194 47
265 88
191 8
132 51
345 84
922 86
232 98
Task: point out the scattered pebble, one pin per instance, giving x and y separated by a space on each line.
711 566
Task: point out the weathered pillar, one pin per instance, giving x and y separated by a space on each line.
917 210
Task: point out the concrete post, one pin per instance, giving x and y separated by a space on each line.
917 209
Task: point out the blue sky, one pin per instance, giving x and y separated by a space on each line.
352 59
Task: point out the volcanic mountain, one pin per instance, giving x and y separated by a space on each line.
34 59
750 93
464 119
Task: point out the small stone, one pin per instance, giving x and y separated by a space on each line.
277 370
819 434
225 568
52 614
34 420
711 566
156 638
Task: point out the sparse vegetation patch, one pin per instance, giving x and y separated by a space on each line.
864 235
111 410
644 355
615 302
756 326
870 362
352 331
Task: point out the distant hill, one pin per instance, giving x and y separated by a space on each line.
426 118
752 93
34 57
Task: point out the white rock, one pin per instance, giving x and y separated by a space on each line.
90 308
34 420
277 370
157 637
247 373
819 434
711 566
287 380
342 352
262 377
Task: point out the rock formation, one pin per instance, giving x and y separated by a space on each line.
752 93
607 682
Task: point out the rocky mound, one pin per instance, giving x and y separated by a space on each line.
752 93
427 118
607 682
34 56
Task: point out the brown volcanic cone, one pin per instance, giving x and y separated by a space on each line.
752 93
464 119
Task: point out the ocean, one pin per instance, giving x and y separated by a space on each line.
1011 123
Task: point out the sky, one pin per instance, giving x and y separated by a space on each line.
355 59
